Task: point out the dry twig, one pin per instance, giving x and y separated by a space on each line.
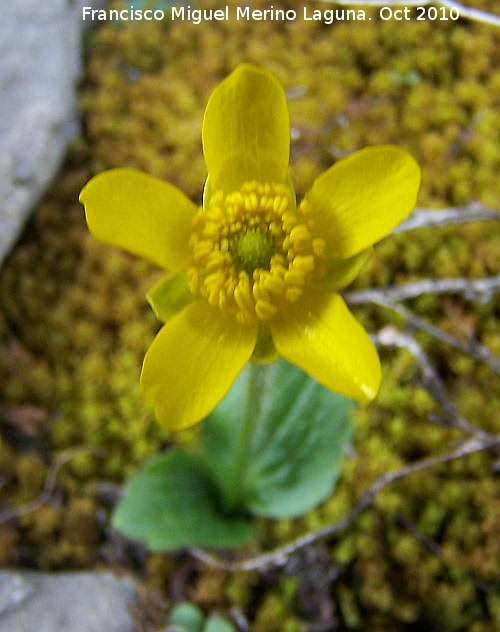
48 488
430 218
473 347
480 290
390 336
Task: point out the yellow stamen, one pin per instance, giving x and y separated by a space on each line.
253 252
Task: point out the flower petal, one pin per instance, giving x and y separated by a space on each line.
363 197
246 130
321 336
142 214
169 296
192 362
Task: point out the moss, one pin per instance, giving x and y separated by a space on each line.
92 326
9 545
272 614
385 88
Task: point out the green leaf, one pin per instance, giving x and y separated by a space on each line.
186 616
216 623
172 504
190 618
300 431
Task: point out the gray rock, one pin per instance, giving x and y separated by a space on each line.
65 602
40 63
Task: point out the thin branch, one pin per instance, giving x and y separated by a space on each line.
465 12
481 290
429 218
280 556
419 535
48 488
390 336
473 348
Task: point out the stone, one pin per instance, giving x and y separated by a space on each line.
40 64
83 601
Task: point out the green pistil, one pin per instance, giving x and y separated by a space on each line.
254 250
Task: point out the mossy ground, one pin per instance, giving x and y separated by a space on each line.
74 324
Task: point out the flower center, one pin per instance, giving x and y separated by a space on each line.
253 251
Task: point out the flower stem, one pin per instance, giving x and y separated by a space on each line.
242 453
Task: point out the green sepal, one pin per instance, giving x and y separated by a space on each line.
339 273
169 296
264 351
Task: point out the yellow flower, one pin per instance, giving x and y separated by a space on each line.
253 276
